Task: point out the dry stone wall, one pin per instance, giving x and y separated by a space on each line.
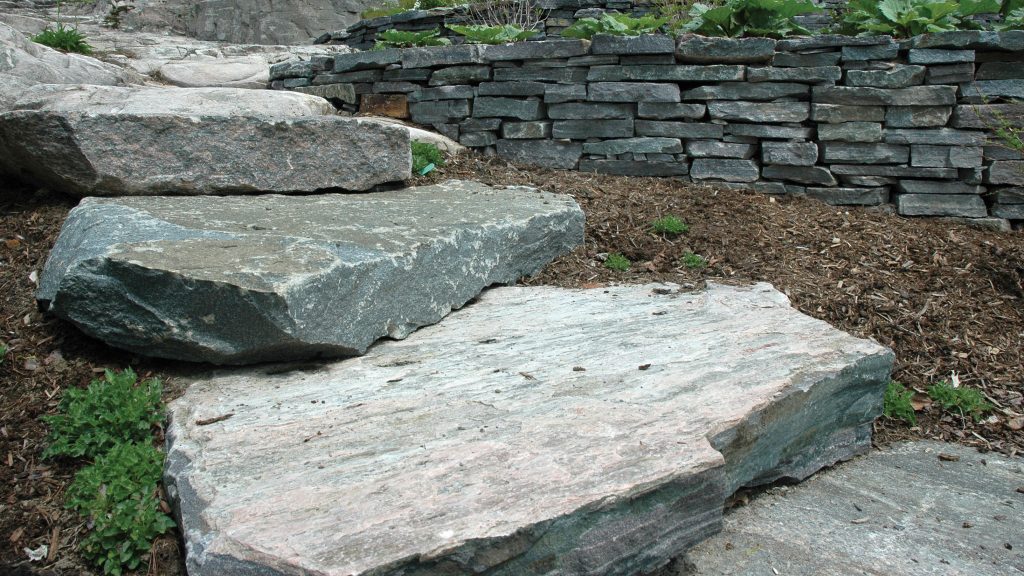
849 120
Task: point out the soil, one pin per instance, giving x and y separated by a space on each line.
947 298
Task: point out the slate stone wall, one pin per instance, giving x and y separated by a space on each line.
848 120
558 15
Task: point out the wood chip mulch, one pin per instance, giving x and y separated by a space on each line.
945 297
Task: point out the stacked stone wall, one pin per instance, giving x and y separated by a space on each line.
861 121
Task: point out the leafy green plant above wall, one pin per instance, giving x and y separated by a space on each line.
405 39
906 18
392 8
614 25
739 18
482 34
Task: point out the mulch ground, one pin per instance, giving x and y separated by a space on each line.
945 297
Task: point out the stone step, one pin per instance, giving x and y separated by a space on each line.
111 141
537 431
243 279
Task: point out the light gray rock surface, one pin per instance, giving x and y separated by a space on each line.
122 154
241 72
249 279
537 431
900 510
197 102
24 63
246 21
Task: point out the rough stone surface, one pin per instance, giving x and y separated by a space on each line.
760 111
789 153
914 96
917 116
635 167
744 91
241 72
644 44
235 280
718 149
632 92
946 156
849 196
851 132
692 48
836 113
865 153
900 510
896 77
634 145
109 100
546 153
686 130
473 447
810 75
120 154
730 170
810 175
938 187
970 205
24 63
245 21
666 73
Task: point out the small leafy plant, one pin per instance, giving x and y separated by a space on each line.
111 422
118 493
906 18
108 412
617 262
694 261
669 225
425 154
61 37
960 399
64 39
406 39
738 18
897 404
483 34
613 24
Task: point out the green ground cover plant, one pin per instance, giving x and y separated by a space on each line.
740 18
693 261
119 494
484 34
111 423
108 412
405 39
962 400
617 262
614 25
897 404
669 225
425 154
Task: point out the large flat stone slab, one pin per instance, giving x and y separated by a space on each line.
216 101
903 510
250 279
537 431
138 154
